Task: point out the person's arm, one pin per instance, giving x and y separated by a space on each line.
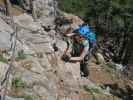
70 34
83 54
68 52
69 45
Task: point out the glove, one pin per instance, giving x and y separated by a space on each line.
65 58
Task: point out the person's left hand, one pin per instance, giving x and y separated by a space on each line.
65 58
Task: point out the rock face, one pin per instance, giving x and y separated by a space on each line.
5 32
5 27
42 71
10 98
45 7
3 70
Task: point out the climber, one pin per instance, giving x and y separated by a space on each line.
81 48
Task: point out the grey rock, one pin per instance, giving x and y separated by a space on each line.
44 7
11 98
4 27
5 32
5 42
3 69
43 93
100 58
119 67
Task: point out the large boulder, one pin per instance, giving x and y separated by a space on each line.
100 58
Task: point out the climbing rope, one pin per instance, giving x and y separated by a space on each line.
5 81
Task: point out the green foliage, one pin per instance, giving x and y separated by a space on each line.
78 7
114 16
2 59
28 98
92 91
18 83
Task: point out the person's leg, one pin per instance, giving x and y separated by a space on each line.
84 69
81 69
